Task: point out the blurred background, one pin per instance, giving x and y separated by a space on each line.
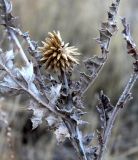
78 21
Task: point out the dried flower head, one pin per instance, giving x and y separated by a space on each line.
58 56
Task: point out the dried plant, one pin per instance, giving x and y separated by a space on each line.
58 56
59 101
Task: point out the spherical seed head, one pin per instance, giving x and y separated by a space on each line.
58 56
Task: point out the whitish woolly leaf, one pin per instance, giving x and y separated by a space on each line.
52 120
34 89
38 114
8 6
37 118
8 84
27 73
54 93
9 56
62 133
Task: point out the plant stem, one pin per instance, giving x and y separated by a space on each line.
106 44
75 134
121 102
23 55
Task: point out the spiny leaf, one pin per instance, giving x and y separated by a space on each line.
131 46
62 133
27 73
52 120
8 85
54 93
38 114
104 108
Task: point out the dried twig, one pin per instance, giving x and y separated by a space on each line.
126 95
95 64
14 37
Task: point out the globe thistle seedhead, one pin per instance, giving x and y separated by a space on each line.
58 56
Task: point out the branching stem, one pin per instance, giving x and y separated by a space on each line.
121 102
75 134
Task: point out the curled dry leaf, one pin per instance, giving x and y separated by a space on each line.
27 73
52 120
95 64
38 114
8 85
131 46
54 93
62 133
105 109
